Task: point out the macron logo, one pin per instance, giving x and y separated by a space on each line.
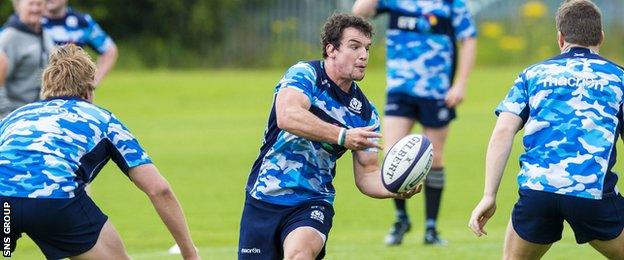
251 251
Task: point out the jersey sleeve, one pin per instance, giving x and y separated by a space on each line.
382 7
463 24
516 101
125 151
97 38
301 77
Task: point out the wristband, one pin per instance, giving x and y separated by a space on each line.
342 137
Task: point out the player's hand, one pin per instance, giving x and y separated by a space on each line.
481 214
362 138
408 194
455 95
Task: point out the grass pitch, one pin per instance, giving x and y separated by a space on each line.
203 130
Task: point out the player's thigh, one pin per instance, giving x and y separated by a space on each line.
395 128
303 243
612 249
108 246
518 248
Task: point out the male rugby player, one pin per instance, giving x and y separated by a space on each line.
570 107
51 149
318 114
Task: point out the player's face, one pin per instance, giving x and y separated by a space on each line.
55 5
352 56
30 11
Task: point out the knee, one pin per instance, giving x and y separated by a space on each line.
300 253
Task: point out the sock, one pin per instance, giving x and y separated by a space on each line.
401 212
433 195
430 224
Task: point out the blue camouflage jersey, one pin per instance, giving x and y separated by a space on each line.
572 109
79 29
291 169
420 44
53 148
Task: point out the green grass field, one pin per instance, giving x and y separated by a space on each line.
203 130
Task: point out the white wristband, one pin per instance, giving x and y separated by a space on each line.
342 137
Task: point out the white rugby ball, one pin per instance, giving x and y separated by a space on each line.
407 163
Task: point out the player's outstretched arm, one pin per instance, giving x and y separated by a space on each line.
500 145
105 63
365 8
293 116
149 180
368 177
467 56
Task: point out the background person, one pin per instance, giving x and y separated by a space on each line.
24 50
422 62
66 25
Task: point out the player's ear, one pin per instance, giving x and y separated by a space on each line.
89 96
330 50
560 39
602 37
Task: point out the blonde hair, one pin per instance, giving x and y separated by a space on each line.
70 73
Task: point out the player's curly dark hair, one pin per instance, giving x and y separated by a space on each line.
337 23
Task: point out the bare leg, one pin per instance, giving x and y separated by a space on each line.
612 249
438 139
395 128
303 243
518 248
108 246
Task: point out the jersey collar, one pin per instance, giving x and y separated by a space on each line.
579 50
66 98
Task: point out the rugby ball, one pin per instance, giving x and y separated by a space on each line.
407 163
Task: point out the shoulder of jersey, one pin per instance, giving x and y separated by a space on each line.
82 19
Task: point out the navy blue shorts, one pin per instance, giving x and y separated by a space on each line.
538 217
60 227
264 226
429 112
